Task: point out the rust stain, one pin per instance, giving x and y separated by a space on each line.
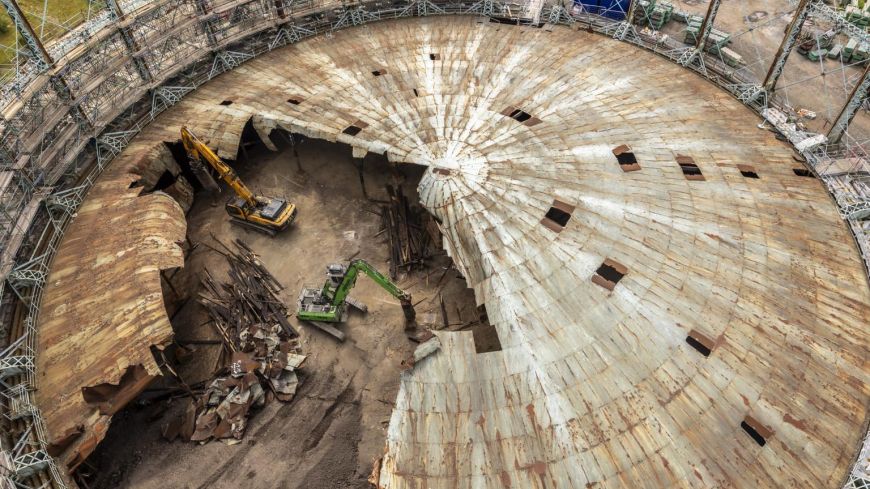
530 410
797 423
666 464
505 479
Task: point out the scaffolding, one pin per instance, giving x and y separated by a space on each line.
70 106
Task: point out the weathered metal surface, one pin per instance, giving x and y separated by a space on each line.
103 307
592 387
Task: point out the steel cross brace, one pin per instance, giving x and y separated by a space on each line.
289 34
483 7
111 144
421 8
748 92
227 60
16 365
354 16
817 7
30 463
164 97
559 15
66 203
19 403
625 30
32 273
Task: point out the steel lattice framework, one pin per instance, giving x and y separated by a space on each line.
74 104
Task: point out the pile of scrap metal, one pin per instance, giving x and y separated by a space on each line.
410 231
250 298
265 366
261 355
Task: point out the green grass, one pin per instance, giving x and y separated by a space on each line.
61 15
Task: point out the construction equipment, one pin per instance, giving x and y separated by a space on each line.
328 304
265 214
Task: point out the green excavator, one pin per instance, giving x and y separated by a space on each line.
328 304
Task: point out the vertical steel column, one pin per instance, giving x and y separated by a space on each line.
691 54
130 42
206 22
626 27
29 35
629 15
785 48
856 100
707 25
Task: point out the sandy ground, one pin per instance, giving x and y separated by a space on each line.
333 430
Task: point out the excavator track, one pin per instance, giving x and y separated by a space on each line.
250 225
328 329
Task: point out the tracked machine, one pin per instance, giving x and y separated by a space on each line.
328 304
265 214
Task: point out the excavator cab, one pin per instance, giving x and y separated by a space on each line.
334 275
235 207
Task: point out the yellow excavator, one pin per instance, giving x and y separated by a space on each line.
265 214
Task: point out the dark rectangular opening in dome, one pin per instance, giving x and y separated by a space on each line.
520 115
294 101
352 130
609 274
227 102
803 172
754 434
690 170
434 56
747 171
558 216
626 159
754 430
698 346
700 342
377 72
416 93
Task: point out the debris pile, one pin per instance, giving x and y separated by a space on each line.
250 298
409 232
260 356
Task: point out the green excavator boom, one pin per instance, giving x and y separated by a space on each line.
328 303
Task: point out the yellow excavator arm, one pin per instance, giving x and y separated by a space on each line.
199 151
266 214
